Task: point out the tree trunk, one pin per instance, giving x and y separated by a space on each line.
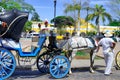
78 22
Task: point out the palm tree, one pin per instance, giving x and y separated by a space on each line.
87 8
76 6
99 14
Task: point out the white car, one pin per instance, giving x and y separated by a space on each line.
34 34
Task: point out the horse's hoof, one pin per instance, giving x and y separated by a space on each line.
91 70
70 72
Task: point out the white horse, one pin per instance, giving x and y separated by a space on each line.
77 43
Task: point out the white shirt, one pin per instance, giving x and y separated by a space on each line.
106 43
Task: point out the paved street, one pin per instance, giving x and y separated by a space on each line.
80 70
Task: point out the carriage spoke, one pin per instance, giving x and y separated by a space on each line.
40 61
3 70
5 56
55 71
5 66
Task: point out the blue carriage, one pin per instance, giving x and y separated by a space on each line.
50 60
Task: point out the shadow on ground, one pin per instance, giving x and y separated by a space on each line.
22 74
28 74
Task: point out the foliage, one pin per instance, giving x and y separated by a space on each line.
114 23
28 26
117 32
81 53
91 33
63 21
25 6
75 7
98 15
20 5
8 5
35 17
29 8
61 31
72 7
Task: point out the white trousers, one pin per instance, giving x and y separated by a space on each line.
109 58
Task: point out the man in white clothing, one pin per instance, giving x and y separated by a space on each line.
108 44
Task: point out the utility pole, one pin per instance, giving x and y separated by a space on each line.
55 1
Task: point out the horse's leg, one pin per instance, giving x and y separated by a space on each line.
92 57
73 53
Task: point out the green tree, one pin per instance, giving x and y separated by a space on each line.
87 8
28 26
98 15
35 17
114 23
8 5
18 4
63 21
75 7
26 6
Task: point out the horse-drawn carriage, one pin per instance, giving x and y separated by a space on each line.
9 41
51 60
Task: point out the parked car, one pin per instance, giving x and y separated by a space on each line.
34 34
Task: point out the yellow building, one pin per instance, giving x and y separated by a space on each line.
82 28
35 26
37 29
108 28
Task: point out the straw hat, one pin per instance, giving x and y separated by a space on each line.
107 34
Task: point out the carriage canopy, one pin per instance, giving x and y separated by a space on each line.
15 20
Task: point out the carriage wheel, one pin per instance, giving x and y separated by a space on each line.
43 62
59 66
7 63
117 60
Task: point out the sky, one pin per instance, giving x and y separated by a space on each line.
45 8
